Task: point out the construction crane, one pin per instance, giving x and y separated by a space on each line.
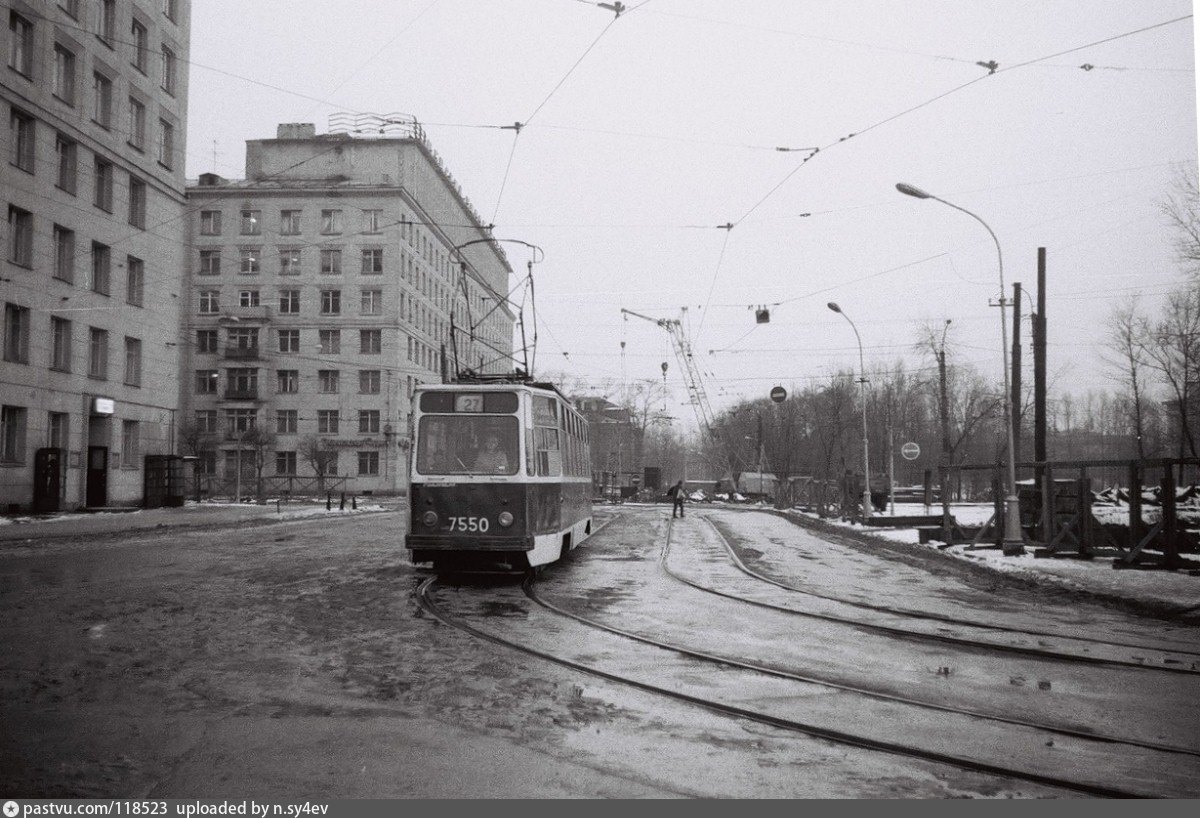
691 373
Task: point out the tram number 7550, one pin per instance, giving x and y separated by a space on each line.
471 524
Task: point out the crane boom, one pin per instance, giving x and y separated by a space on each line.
691 373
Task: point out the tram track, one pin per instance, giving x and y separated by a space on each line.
1172 661
811 727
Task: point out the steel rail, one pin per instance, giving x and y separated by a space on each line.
838 736
904 612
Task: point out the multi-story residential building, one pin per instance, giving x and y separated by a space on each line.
321 290
91 281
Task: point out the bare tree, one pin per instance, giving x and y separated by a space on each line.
1173 351
1128 336
1182 209
318 455
260 442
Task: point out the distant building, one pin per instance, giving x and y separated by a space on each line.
321 289
616 443
95 94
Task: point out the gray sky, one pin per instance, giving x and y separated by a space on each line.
646 132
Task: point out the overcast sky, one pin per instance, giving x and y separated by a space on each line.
647 132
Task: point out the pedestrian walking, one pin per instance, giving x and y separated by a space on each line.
676 493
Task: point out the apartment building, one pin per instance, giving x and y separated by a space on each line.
321 290
92 182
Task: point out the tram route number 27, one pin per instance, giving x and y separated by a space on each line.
472 524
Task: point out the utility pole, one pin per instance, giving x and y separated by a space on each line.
1016 372
1039 363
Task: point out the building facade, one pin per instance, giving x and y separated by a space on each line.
95 94
321 290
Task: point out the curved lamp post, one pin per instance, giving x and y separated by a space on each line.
1013 541
862 391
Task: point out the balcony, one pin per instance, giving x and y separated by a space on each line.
241 394
242 353
249 315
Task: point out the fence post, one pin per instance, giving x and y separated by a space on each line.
328 501
342 506
1049 506
1170 546
1136 527
1084 506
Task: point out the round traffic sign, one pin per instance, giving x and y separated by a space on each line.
910 451
779 394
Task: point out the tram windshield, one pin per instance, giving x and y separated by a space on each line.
467 444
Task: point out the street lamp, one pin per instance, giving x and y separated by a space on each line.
862 391
1013 541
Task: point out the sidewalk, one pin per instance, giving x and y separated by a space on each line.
73 525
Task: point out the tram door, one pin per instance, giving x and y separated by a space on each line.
47 480
97 476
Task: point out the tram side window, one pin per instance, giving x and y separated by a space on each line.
546 437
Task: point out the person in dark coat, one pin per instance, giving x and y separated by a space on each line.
677 493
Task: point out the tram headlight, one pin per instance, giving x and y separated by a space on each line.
430 518
505 519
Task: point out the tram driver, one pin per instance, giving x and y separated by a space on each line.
491 458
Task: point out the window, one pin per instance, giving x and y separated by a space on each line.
12 434
289 261
251 261
67 151
135 281
327 380
286 421
64 74
285 463
248 298
206 341
101 100
168 9
210 262
20 44
289 302
331 341
58 430
130 444
71 7
327 421
206 381
331 302
243 383
251 224
210 222
372 302
289 340
60 340
133 361
106 20
104 185
240 420
289 222
372 262
168 70
141 47
98 354
101 268
370 341
368 464
22 136
331 261
210 303
64 254
287 381
137 124
20 236
331 222
16 333
242 342
371 221
137 202
368 421
368 381
206 421
166 143
206 462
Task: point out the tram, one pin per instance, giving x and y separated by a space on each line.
501 476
